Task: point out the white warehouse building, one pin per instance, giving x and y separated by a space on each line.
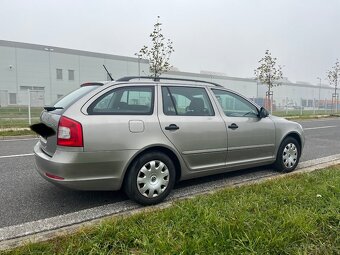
50 72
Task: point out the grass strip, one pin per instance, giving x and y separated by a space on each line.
16 123
16 133
297 214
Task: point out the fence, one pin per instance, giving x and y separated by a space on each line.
21 109
29 105
299 107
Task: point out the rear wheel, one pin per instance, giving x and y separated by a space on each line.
288 155
150 178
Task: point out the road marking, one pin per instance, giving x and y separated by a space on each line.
318 127
13 140
19 155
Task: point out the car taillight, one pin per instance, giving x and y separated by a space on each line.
70 133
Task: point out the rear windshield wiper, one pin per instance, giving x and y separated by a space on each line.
52 108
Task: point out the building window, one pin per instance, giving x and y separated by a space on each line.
59 74
71 75
25 88
12 98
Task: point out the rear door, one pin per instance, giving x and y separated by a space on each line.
250 138
193 126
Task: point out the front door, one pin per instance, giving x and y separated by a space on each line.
250 138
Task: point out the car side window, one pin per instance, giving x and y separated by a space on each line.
186 101
124 101
234 105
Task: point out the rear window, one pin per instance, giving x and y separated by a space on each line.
124 101
74 96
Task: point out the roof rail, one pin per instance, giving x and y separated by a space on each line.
92 84
128 78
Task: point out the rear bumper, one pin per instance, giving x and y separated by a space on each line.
84 170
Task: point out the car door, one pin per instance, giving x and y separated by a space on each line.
250 139
121 118
193 126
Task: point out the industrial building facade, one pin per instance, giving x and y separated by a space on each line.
40 74
54 72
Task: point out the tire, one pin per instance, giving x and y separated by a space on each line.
150 178
288 155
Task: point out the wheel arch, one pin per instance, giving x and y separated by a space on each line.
294 135
159 148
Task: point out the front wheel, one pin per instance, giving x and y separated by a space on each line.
150 178
288 155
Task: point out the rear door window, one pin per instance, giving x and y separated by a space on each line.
186 101
124 101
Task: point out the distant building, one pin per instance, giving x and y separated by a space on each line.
212 73
50 72
54 71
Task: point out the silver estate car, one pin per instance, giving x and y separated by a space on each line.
144 135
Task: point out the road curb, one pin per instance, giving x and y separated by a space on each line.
315 117
45 229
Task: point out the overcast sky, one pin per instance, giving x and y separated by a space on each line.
227 36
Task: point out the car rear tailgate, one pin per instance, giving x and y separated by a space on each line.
51 115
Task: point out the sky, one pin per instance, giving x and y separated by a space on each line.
226 36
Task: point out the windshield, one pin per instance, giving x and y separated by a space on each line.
74 96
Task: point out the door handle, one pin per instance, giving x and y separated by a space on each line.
172 127
233 126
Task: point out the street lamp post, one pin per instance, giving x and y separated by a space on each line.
49 67
139 56
336 96
319 91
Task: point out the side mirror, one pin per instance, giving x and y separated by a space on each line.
263 113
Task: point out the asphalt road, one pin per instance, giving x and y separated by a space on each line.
25 196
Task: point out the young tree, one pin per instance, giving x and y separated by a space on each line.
333 77
159 53
269 74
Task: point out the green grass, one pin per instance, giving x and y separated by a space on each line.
17 117
16 123
294 215
283 113
17 132
19 112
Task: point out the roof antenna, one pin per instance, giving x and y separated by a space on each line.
108 73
